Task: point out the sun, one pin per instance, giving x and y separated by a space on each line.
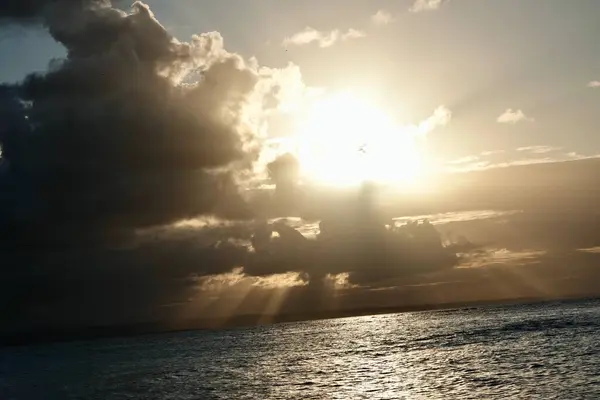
344 140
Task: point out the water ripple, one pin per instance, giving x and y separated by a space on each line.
549 351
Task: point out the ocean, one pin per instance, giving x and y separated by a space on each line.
545 350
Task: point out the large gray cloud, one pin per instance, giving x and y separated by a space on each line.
24 11
133 129
116 136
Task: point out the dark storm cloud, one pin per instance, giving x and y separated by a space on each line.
34 11
92 285
22 11
172 265
110 139
116 139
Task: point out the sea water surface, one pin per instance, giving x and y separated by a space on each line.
547 350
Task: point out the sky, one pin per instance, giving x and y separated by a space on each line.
142 147
479 58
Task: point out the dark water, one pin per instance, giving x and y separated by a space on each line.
549 351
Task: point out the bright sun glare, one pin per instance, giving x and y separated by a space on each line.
345 141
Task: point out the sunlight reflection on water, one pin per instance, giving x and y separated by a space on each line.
536 351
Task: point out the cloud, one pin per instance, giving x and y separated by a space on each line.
492 257
461 216
119 135
464 160
382 17
125 163
595 250
511 116
321 38
483 160
427 5
485 165
277 281
25 11
594 84
467 164
207 267
366 262
190 263
236 277
492 152
441 117
538 149
124 195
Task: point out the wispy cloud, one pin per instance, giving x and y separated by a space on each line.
511 116
593 250
465 160
427 5
491 152
573 155
322 38
594 84
501 256
539 149
458 216
484 165
382 17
